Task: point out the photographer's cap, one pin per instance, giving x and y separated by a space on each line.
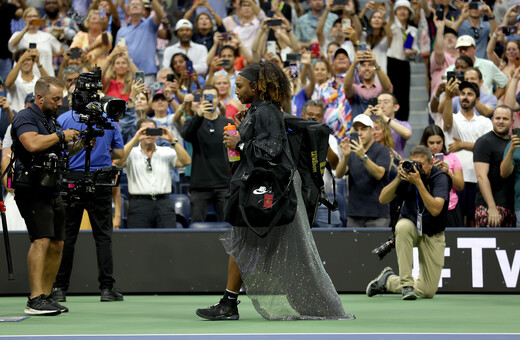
159 95
183 23
465 41
29 98
363 119
473 86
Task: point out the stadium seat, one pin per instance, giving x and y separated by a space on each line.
182 208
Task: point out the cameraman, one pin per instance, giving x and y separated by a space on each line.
98 204
425 191
36 133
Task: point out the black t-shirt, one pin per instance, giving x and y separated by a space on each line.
27 121
7 13
364 189
490 149
438 185
210 164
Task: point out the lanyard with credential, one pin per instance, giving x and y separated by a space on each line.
419 213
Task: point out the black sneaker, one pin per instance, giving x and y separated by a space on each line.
111 294
41 306
58 294
409 293
378 285
55 303
220 311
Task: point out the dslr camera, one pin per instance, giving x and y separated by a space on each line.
408 166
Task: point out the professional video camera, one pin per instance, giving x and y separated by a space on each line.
91 108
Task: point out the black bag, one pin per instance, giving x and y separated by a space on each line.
309 143
265 198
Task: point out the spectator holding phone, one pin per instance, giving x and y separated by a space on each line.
511 164
60 26
118 71
307 24
97 42
21 80
246 23
471 23
224 63
109 10
141 36
367 164
197 53
203 33
510 57
360 94
185 74
433 139
444 52
210 173
149 181
30 37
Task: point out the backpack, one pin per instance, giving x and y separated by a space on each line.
309 143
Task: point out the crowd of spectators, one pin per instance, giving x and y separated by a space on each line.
175 64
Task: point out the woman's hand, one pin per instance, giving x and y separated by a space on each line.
231 140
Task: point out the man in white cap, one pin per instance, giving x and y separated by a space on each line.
141 36
197 53
366 164
491 74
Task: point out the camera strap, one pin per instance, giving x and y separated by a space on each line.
46 123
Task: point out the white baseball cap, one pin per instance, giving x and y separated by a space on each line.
183 23
465 41
363 119
404 3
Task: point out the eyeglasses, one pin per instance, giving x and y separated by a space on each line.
148 165
475 32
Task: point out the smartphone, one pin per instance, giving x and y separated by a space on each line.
121 42
32 45
439 156
208 97
154 132
315 50
274 22
226 36
379 4
38 22
354 137
517 62
439 12
346 23
475 5
170 77
75 53
294 57
372 101
139 75
225 62
450 75
293 71
271 47
339 2
196 97
362 47
516 132
189 66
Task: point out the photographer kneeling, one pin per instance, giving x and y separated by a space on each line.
424 190
38 145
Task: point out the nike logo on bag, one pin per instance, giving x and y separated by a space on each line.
260 191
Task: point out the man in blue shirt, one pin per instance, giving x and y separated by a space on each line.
308 23
99 207
141 36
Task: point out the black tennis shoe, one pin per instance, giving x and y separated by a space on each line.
220 311
40 305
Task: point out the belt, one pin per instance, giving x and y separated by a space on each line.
152 197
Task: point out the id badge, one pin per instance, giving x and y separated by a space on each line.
419 223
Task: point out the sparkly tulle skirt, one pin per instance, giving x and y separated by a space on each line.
283 273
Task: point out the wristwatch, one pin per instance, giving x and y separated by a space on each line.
175 141
378 68
365 158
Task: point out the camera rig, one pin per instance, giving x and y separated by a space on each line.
93 111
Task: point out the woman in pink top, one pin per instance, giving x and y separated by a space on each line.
118 72
433 138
